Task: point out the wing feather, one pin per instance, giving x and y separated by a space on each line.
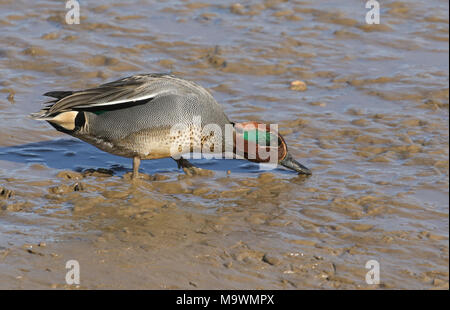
130 90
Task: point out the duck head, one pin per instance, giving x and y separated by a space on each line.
262 143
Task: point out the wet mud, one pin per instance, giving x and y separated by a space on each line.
364 106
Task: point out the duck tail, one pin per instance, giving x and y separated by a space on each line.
42 115
58 94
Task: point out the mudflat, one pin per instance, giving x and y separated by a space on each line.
364 106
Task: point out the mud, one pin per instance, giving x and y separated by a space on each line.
365 107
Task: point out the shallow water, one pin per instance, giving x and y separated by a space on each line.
372 125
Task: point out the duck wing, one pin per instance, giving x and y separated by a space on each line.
126 92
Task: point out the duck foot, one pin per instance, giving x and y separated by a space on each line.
191 170
183 163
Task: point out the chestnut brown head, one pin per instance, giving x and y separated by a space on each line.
262 143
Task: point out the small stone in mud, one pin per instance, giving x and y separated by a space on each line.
271 260
298 85
100 172
42 244
6 193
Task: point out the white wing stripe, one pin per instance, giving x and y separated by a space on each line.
149 96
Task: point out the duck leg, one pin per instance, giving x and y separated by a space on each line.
136 163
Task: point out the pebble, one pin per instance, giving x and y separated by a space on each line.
298 86
271 260
6 193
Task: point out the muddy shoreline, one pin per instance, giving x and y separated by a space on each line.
366 108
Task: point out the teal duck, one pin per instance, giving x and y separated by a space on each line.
151 116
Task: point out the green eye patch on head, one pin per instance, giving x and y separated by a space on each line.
260 137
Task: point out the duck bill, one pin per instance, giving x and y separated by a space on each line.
291 163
